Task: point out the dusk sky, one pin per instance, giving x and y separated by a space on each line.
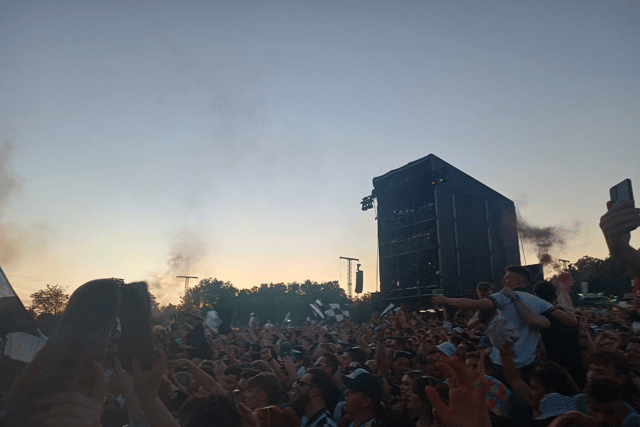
242 135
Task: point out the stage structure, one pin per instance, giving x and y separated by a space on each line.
440 229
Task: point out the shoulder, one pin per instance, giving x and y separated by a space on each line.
499 299
632 415
581 402
536 303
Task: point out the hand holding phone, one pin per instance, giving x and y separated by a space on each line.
618 223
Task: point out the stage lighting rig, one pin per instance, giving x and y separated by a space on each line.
367 202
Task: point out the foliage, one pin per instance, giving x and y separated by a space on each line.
270 302
606 276
209 294
52 300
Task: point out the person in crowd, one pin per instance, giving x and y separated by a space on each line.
483 290
604 402
561 340
363 399
613 365
632 354
262 390
328 363
548 392
230 377
525 312
418 406
521 308
317 396
197 344
352 355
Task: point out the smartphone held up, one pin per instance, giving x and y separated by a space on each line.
621 192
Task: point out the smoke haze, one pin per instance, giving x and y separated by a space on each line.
17 241
185 253
546 241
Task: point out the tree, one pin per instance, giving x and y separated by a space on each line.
211 294
607 276
52 300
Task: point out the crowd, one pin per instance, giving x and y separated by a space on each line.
507 358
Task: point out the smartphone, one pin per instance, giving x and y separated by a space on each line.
621 192
135 318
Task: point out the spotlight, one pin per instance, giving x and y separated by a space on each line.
367 203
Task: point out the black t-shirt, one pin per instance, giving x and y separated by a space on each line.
562 343
197 339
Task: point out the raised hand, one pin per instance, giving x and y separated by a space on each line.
147 383
617 225
467 406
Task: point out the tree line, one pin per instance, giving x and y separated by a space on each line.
272 302
268 302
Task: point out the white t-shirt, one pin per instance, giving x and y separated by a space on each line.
524 350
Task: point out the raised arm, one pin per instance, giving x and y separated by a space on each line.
474 321
464 303
203 378
362 343
617 225
381 352
565 316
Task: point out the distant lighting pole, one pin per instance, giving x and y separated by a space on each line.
186 282
349 273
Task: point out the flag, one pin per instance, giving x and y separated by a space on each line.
318 302
287 318
336 312
23 337
316 310
213 320
253 320
387 310
23 347
13 315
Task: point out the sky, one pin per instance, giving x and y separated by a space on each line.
235 139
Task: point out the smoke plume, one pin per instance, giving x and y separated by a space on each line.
546 241
184 255
16 241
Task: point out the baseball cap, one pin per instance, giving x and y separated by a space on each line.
447 348
362 381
